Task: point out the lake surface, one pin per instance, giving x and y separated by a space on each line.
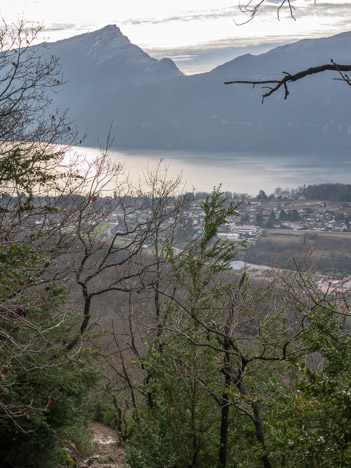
243 172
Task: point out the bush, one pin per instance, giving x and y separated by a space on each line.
36 440
104 412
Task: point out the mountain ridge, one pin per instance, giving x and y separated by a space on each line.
153 105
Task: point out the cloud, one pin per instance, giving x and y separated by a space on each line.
323 9
54 27
206 57
301 9
229 43
190 16
182 57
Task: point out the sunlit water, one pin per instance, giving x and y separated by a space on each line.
242 172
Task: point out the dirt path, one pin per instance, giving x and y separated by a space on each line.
108 454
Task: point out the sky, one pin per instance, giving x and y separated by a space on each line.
197 34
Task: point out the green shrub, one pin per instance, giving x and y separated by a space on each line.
104 412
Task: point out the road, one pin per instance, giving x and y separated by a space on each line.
303 232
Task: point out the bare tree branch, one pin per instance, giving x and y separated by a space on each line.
252 7
288 78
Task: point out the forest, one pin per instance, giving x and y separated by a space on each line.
109 312
333 192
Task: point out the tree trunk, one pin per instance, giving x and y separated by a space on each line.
222 458
260 435
86 318
258 425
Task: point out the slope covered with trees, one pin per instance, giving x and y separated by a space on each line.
196 366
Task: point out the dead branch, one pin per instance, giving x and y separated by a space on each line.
274 85
251 9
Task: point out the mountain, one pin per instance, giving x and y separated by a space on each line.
106 57
153 105
97 68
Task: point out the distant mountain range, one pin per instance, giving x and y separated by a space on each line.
153 105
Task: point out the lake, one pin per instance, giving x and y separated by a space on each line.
243 172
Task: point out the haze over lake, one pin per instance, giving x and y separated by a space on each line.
243 172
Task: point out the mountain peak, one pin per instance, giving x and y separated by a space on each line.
110 57
110 27
105 44
110 36
111 30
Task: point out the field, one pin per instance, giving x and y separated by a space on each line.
323 252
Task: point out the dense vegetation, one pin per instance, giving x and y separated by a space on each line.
323 192
332 192
240 373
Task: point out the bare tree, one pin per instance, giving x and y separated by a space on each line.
35 224
26 85
136 309
38 184
64 217
125 256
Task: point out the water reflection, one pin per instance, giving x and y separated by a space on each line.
241 172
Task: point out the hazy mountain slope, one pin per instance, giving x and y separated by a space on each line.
95 66
154 106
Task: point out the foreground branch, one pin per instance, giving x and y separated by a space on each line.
288 78
250 8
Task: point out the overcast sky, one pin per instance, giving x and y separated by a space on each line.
197 34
